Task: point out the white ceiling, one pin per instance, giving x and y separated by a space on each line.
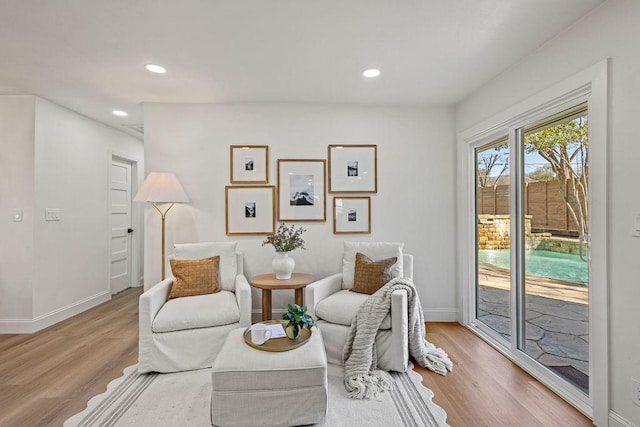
89 55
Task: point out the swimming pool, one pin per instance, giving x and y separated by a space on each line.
542 263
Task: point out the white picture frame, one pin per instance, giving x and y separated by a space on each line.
250 210
353 168
302 190
352 215
249 164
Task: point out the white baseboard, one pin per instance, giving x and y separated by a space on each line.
29 326
617 420
16 326
441 315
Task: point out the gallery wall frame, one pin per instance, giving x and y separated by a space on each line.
249 164
353 168
302 190
352 215
250 209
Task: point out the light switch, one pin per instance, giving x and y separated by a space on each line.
52 214
635 225
17 215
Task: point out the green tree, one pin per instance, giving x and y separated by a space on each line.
542 174
565 147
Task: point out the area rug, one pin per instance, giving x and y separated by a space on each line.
183 399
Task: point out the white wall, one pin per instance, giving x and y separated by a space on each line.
17 117
72 174
414 203
609 31
55 269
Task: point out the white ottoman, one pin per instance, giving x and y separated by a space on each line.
252 387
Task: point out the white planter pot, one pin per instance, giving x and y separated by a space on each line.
283 265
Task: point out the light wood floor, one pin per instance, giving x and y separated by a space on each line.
487 389
49 376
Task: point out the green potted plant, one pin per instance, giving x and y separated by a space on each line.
297 319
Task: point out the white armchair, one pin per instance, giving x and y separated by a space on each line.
187 333
333 306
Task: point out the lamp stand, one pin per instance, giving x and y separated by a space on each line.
162 215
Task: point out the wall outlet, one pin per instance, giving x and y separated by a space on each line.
635 391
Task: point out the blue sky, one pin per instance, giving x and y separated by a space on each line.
532 161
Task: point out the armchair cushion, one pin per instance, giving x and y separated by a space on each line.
371 275
341 307
194 277
375 251
194 312
226 251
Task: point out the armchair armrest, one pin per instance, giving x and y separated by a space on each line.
319 290
149 305
151 302
400 330
243 297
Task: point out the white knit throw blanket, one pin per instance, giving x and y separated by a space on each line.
362 379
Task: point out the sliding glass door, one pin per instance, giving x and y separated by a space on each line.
493 273
532 243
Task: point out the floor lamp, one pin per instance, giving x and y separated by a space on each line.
161 187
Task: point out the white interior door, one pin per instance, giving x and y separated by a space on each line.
120 222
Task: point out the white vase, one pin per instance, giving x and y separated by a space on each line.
283 265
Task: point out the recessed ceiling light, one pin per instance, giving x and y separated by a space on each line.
158 69
371 73
120 113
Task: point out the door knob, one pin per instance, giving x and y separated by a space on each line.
130 230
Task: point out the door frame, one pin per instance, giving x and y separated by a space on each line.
137 256
591 83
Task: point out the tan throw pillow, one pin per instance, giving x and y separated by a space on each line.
371 275
194 277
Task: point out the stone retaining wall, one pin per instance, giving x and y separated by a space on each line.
562 245
493 233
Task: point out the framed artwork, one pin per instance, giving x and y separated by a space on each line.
249 164
301 190
353 168
250 209
352 215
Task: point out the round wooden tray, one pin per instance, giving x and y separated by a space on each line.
278 344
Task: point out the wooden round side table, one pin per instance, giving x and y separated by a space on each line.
268 282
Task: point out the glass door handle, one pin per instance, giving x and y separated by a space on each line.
581 240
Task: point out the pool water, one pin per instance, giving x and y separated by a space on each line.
542 263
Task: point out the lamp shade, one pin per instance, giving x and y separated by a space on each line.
161 187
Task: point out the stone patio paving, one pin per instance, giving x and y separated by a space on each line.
556 318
